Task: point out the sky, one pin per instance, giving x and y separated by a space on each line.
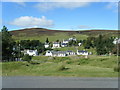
60 15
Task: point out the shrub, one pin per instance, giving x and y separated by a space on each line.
27 58
84 61
61 68
78 63
44 53
117 68
25 63
68 62
34 62
103 59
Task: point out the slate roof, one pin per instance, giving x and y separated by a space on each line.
64 44
82 51
56 43
69 51
58 52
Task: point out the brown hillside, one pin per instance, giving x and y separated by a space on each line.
43 31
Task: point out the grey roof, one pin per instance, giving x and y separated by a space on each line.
61 52
31 50
64 44
56 43
69 51
58 52
81 51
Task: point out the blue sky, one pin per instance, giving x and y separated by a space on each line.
60 16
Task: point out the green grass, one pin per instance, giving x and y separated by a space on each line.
100 66
57 36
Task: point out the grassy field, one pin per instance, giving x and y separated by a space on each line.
57 36
78 66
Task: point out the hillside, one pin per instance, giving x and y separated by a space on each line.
42 33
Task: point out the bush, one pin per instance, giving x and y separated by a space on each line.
44 53
27 58
117 68
103 59
61 68
78 63
84 61
68 62
34 62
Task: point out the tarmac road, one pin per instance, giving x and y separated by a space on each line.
58 82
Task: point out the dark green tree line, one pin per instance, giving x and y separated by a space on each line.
7 44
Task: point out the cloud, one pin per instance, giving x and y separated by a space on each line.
21 3
14 0
60 1
113 6
45 5
84 27
29 21
52 5
69 4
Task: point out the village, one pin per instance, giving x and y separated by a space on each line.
63 44
59 44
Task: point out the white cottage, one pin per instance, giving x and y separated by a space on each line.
46 45
70 53
79 44
48 53
56 53
64 44
59 53
116 41
56 45
82 52
74 39
31 52
65 41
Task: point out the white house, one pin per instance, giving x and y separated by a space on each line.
31 52
79 44
59 53
74 39
46 45
65 41
82 52
48 53
116 41
56 45
64 44
70 53
56 53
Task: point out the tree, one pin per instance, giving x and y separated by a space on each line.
104 45
89 43
47 41
73 43
116 49
57 40
17 54
27 58
7 44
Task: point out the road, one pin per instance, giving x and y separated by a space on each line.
58 82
